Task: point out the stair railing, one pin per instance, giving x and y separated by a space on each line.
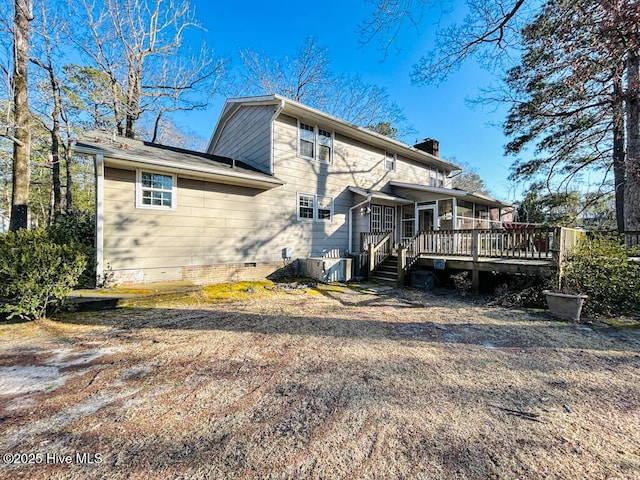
379 252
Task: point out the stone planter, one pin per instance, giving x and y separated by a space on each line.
565 306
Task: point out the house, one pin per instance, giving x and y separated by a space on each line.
280 182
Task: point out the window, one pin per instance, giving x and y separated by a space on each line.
390 162
315 143
376 218
324 208
388 219
307 140
432 178
305 206
325 145
155 190
408 219
315 207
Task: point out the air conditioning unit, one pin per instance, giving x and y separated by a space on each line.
329 270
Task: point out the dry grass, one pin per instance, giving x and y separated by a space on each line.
347 384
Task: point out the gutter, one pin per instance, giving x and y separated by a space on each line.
279 109
99 233
368 200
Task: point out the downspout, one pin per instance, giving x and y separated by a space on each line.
279 109
99 240
368 200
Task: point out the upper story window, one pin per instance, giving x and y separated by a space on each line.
155 190
436 178
390 162
315 207
315 143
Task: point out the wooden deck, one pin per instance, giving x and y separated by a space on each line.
531 250
532 266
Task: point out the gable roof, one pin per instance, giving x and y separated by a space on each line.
126 152
299 110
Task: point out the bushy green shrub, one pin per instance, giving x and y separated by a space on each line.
600 267
76 228
75 225
36 272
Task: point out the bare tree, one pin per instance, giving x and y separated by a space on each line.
487 32
306 77
44 59
138 44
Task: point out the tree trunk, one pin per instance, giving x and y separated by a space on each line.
68 163
632 181
619 154
55 144
22 142
133 102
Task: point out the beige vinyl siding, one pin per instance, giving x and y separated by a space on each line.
212 224
247 137
216 224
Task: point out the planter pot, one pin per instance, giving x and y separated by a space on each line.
566 306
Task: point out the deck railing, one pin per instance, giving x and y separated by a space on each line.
378 252
368 238
551 244
532 243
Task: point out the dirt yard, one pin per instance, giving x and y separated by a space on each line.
331 383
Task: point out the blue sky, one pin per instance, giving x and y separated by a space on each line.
466 134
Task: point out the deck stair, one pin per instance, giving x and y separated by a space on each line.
387 271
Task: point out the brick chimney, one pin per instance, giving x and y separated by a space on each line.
429 145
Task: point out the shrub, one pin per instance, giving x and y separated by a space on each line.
77 229
522 291
462 283
36 272
600 267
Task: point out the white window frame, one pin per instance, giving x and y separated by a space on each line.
388 218
376 219
315 198
316 143
394 161
140 188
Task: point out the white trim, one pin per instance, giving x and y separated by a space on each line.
434 211
395 161
368 200
316 142
380 210
99 240
272 154
174 190
216 174
315 208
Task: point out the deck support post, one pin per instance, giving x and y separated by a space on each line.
402 263
372 261
475 272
